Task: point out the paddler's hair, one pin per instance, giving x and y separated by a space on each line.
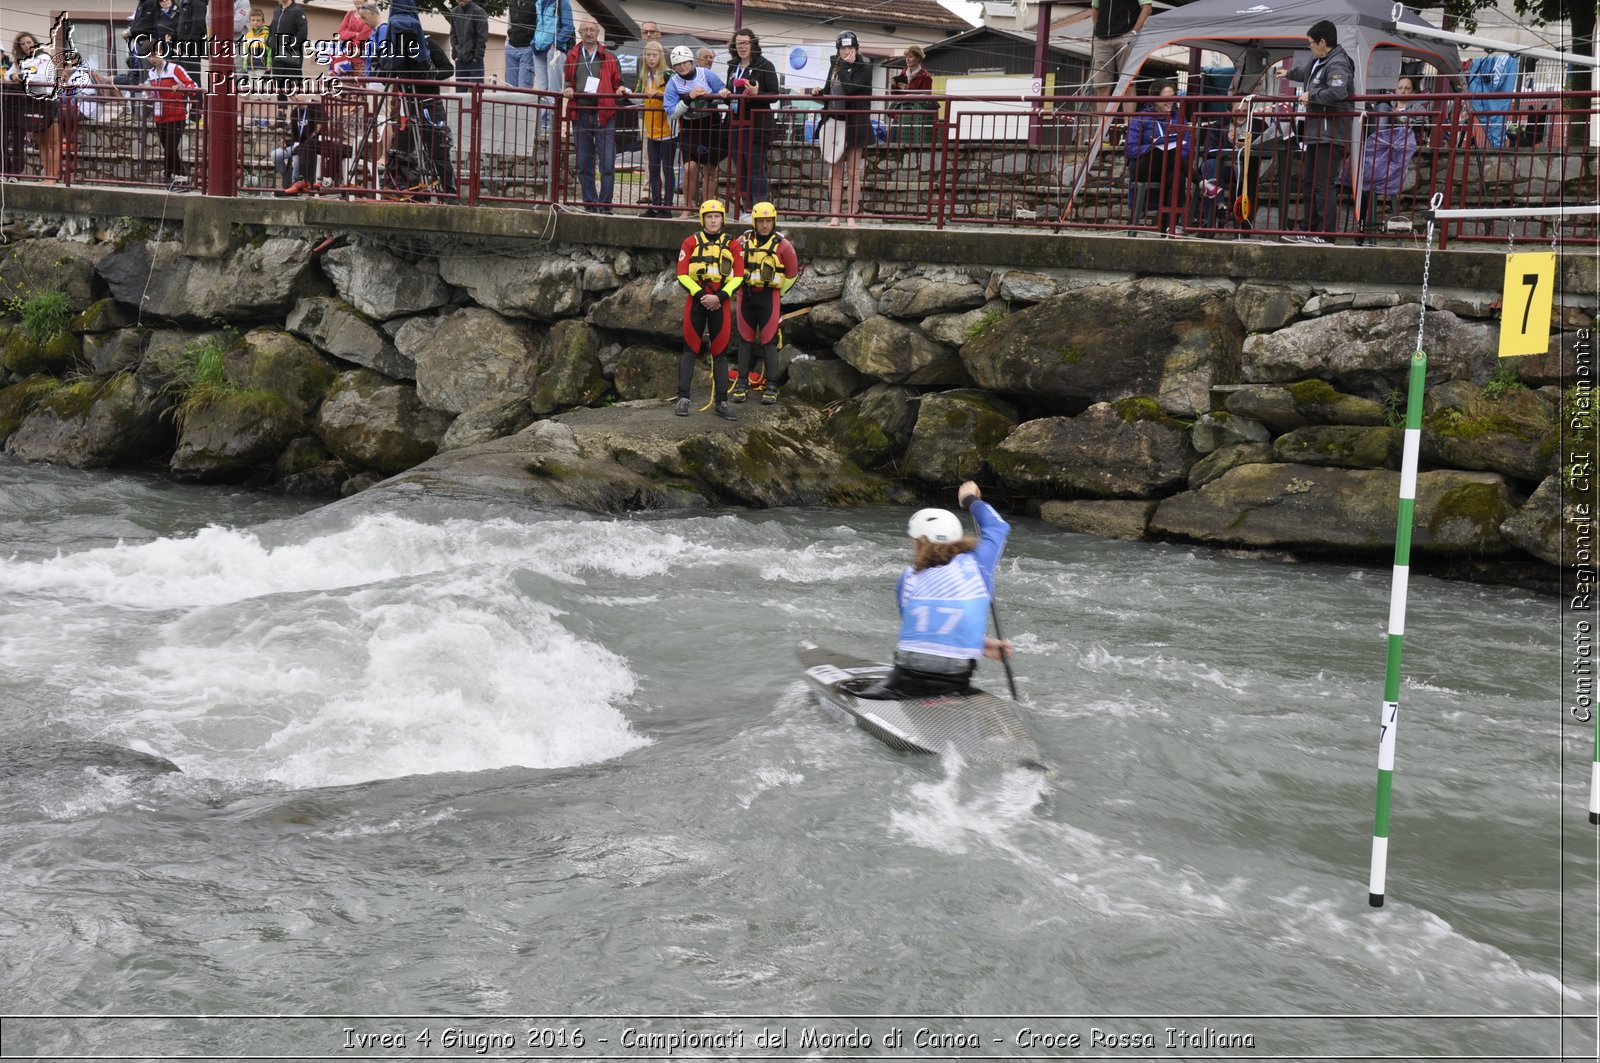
931 555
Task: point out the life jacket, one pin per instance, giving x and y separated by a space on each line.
711 265
763 268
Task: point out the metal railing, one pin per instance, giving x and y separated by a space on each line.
1224 168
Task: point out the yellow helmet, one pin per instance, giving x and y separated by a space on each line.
763 210
712 206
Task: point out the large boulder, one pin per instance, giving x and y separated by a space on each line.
271 360
545 287
233 436
1368 352
645 371
1213 431
954 433
94 424
1285 408
1332 510
1107 518
1127 449
1513 431
18 400
28 267
371 422
874 426
112 352
489 420
258 279
25 354
1219 461
651 305
382 284
1267 307
1538 526
953 330
1344 445
821 281
822 381
470 357
336 328
900 354
920 295
570 371
1153 337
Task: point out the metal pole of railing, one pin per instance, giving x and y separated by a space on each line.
221 107
475 144
557 120
939 162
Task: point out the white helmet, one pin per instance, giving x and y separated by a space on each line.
935 525
681 54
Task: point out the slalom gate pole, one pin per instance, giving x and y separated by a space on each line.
1389 715
1389 712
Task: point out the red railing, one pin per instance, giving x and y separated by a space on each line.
1034 162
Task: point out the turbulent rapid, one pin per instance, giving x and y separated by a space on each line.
471 759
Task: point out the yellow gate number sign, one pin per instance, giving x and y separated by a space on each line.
1525 303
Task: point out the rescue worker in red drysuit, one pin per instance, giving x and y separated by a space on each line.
711 267
770 269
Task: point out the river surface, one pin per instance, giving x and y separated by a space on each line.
482 773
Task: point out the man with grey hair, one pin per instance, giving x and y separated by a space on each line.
593 83
649 31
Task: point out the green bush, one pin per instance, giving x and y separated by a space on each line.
44 315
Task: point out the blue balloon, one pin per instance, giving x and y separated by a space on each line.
797 58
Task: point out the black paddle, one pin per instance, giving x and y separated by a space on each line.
994 615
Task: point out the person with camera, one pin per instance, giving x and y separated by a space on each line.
693 99
752 83
915 121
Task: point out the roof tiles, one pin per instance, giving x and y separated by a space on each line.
886 12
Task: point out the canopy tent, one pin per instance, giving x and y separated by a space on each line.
1258 36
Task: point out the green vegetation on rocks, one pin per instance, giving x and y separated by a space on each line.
18 400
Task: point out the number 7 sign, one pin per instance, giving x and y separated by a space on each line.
1525 303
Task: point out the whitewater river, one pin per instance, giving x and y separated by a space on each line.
455 775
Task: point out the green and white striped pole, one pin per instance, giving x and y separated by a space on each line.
1389 716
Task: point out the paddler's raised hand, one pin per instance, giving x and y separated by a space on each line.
967 493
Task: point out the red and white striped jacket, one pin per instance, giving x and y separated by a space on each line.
174 89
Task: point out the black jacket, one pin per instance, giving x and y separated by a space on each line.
469 32
286 36
765 75
521 17
1329 83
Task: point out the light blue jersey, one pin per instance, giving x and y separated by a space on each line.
944 611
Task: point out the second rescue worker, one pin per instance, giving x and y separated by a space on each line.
711 267
770 270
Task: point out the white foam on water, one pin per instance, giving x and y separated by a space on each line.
382 649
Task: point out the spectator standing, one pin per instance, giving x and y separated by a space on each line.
536 32
286 37
140 35
255 55
1116 23
593 83
692 100
191 32
469 39
1327 78
751 85
1158 152
655 128
353 30
34 78
173 90
915 125
166 24
848 75
705 59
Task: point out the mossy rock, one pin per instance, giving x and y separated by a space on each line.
93 424
1513 432
1346 446
18 400
955 432
302 454
103 315
873 427
58 355
268 359
233 435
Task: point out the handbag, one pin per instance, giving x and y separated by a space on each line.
831 139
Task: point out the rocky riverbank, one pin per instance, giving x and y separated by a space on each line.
1256 414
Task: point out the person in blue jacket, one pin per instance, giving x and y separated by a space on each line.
944 597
